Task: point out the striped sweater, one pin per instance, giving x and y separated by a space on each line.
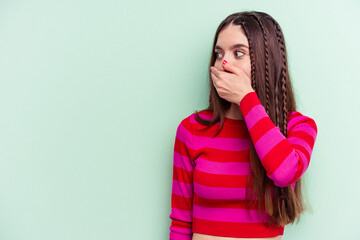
210 174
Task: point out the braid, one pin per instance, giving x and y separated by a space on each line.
277 84
281 42
252 61
277 105
266 65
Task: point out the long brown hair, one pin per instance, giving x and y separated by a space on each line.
271 81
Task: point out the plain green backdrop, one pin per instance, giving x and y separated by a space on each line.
91 94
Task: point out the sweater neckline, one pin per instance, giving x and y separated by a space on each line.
234 121
227 121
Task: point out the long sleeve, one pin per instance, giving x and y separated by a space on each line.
284 159
182 184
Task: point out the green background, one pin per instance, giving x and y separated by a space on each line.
91 94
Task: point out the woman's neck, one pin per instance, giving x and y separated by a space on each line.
234 112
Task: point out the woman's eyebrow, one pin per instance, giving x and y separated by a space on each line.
233 46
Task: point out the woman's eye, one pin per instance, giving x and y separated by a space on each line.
239 52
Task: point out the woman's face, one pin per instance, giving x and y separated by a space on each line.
232 45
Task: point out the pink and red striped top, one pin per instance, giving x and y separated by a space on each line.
210 174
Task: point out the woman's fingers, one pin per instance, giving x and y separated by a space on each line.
214 78
232 69
215 71
214 75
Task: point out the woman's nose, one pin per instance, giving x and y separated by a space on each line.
221 67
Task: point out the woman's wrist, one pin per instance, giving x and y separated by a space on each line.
243 95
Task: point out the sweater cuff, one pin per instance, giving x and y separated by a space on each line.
248 102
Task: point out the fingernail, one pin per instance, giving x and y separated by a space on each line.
224 61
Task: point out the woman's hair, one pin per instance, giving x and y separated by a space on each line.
271 81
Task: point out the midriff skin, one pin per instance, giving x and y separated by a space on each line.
200 236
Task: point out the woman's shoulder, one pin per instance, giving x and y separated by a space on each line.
191 119
204 114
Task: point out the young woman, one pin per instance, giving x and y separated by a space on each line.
238 163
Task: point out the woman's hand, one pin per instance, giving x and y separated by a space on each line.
232 85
